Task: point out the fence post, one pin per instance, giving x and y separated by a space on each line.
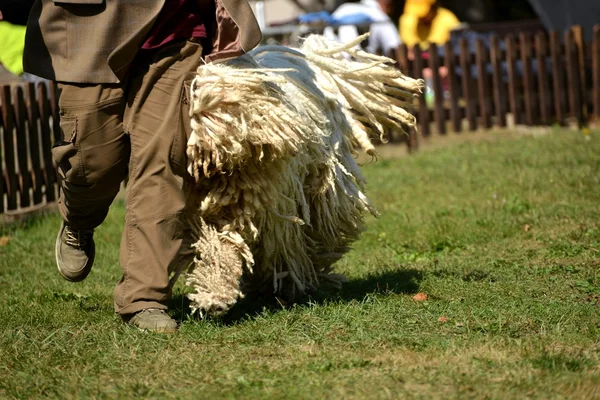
57 133
22 146
402 58
573 87
513 96
9 148
558 80
423 110
525 44
596 71
483 89
468 92
449 61
498 85
541 50
403 62
3 175
438 99
580 57
46 136
34 142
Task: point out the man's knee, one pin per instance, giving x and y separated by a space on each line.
90 158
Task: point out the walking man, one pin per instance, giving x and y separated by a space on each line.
122 68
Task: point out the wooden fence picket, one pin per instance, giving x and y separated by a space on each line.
469 94
544 96
558 78
3 174
455 115
34 143
498 83
581 72
403 60
9 148
528 90
418 66
438 99
596 72
49 174
483 90
54 111
405 66
513 89
572 81
25 181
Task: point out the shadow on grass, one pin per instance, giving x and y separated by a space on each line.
386 283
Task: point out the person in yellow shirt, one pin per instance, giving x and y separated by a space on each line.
424 22
12 38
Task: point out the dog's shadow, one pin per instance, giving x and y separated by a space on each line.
404 281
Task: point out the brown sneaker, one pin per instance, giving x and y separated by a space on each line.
153 320
75 252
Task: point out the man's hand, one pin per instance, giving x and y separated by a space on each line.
1 17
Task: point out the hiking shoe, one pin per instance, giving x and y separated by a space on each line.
75 251
153 320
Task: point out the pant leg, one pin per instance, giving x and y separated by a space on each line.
158 124
92 157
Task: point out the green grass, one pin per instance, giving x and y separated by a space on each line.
503 235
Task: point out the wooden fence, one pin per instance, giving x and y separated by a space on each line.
28 128
538 79
535 79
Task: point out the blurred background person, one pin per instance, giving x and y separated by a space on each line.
424 22
374 15
11 51
13 18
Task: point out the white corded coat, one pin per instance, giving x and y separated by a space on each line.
277 196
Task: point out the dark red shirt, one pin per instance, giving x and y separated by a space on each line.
179 19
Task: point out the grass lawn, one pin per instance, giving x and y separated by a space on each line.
502 235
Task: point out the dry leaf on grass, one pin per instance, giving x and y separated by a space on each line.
443 319
420 297
4 240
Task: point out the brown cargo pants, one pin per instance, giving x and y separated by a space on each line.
142 122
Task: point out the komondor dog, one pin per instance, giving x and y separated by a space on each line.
277 196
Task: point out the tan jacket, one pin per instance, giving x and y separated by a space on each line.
95 41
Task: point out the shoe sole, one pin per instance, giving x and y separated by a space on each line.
133 322
163 330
